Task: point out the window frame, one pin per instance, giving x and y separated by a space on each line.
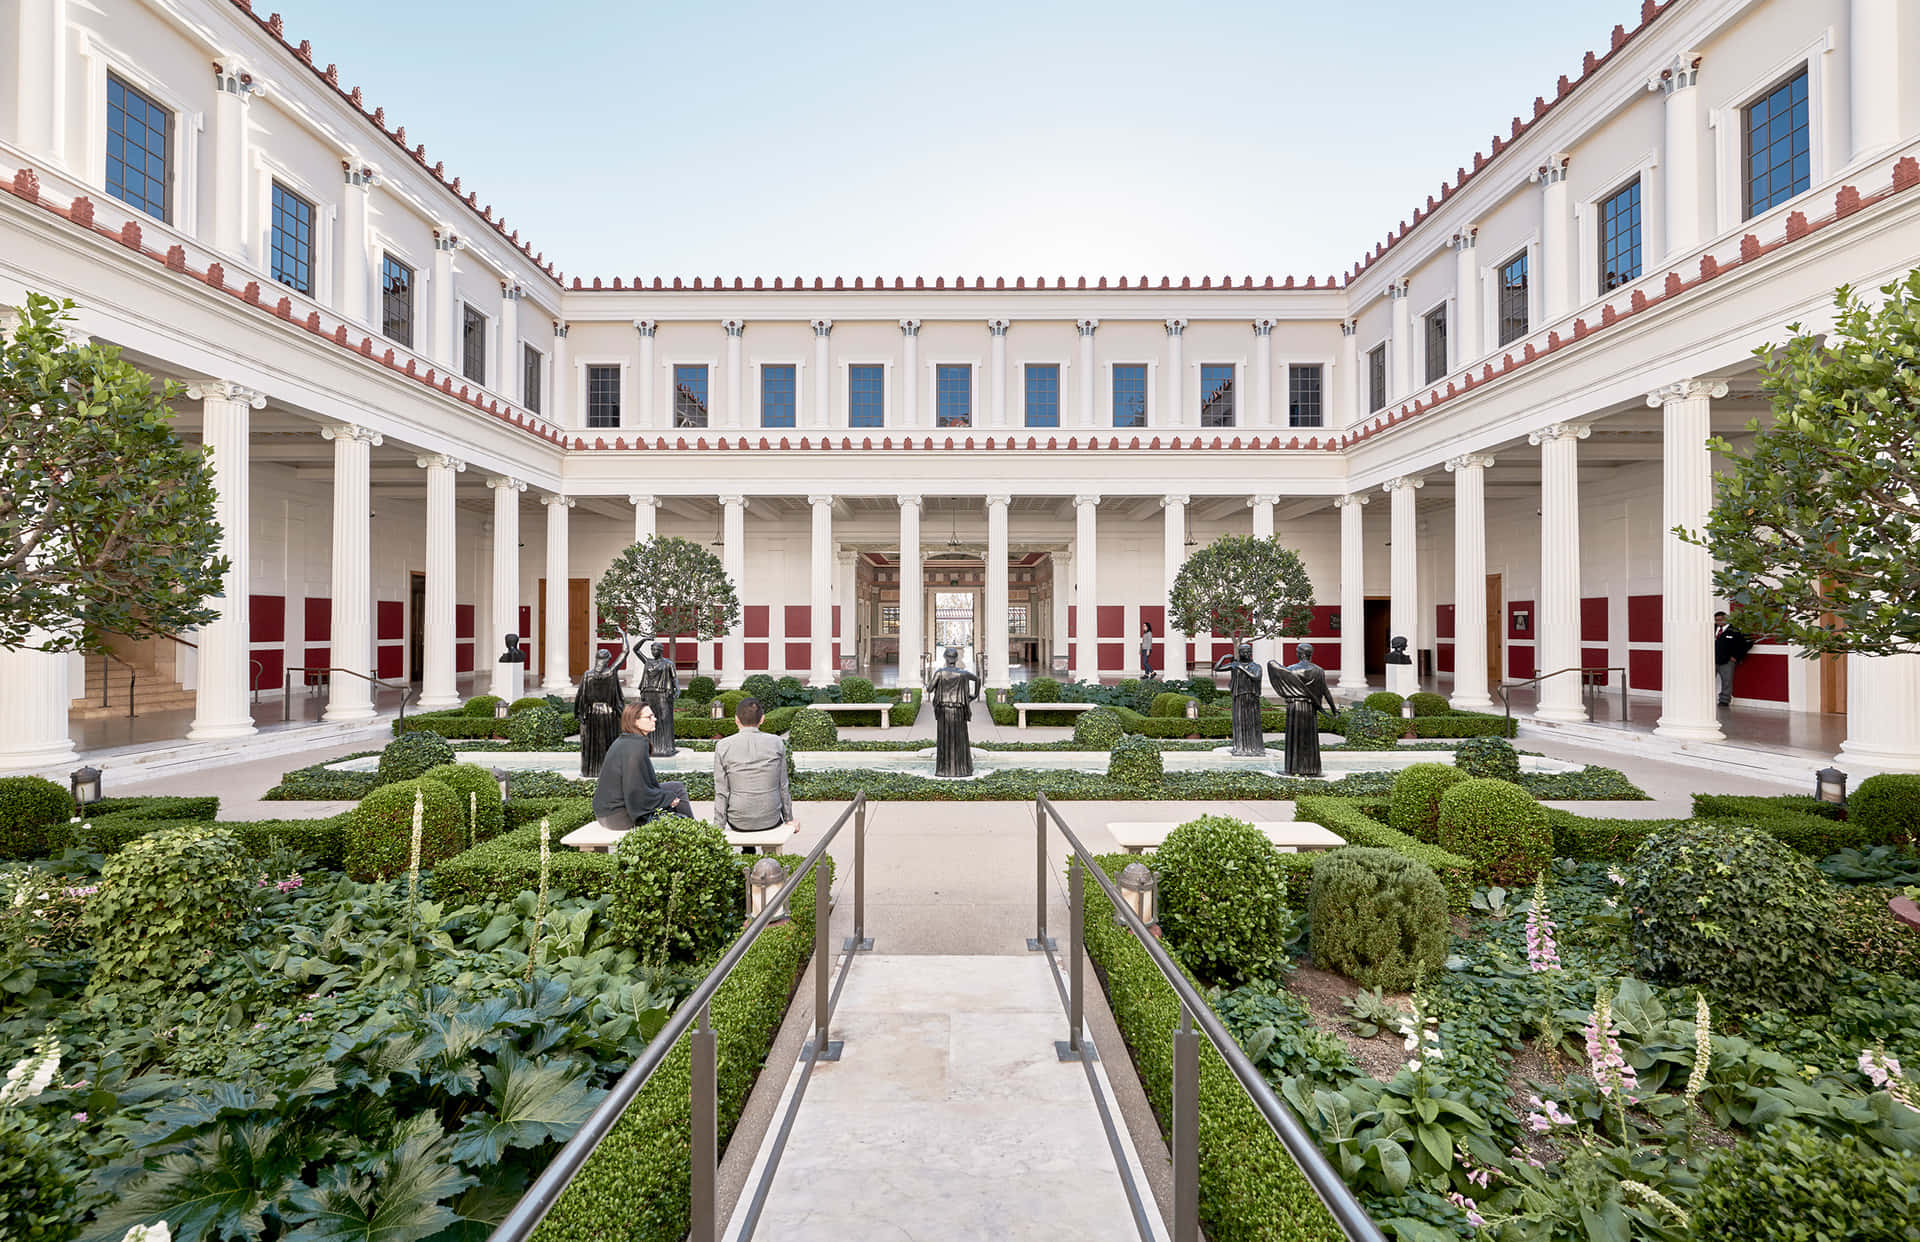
99 59
1443 314
170 144
1748 208
1375 360
1059 392
1320 369
469 314
760 366
618 368
972 369
1500 291
387 256
1146 396
1725 119
535 361
673 393
276 189
885 369
1232 387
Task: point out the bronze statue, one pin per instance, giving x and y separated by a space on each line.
1245 686
952 689
515 659
1302 686
659 687
1399 653
597 706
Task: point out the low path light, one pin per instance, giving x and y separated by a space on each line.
85 783
502 778
1830 785
1140 889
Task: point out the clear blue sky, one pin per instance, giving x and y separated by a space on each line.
751 138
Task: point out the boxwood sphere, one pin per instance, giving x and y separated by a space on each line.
680 891
1499 826
477 796
1383 701
379 842
1491 758
33 816
812 729
411 755
1378 917
1223 900
1135 761
1098 729
1426 703
1416 797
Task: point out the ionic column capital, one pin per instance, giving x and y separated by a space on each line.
1405 483
226 390
1086 326
645 327
1176 326
735 327
501 482
741 501
1468 461
1086 500
1397 288
1560 431
1000 499
1351 500
998 327
818 500
1686 390
643 502
350 431
1680 73
557 501
822 327
445 241
440 461
1348 327
909 501
1173 500
1255 501
360 176
560 331
910 327
510 291
235 80
1553 172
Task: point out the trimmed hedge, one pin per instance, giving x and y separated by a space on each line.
508 865
702 726
478 797
1344 817
1597 840
1792 1183
1221 890
905 711
1490 758
1499 826
701 689
565 813
1464 724
1426 703
456 723
1416 798
812 729
1870 938
1043 690
1250 1188
1377 916
323 839
679 891
1169 703
1135 762
536 728
1098 729
1803 824
482 705
410 756
1888 807
33 816
380 830
856 690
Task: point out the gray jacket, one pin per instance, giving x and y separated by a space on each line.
750 781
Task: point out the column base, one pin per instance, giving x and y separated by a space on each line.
1867 760
215 731
1469 703
820 677
439 702
350 713
1563 715
57 753
1689 730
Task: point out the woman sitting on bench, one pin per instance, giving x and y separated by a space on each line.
628 791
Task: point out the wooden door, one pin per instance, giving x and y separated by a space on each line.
579 641
416 626
1496 622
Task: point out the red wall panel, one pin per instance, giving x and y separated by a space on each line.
390 620
756 657
1443 621
1113 656
390 660
1514 609
1443 657
1595 657
1325 654
1520 660
1761 676
317 658
463 620
318 614
267 618
273 669
1593 619
1112 620
1221 647
1645 624
463 657
836 621
755 620
1644 670
1326 622
800 656
526 625
1156 616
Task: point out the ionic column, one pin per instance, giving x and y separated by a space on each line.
559 409
1086 554
1176 412
1883 715
1556 240
846 593
1353 592
1469 472
820 569
1355 392
233 89
1873 74
41 39
507 376
1558 637
350 698
220 702
1061 586
733 558
909 380
508 679
1683 169
820 415
733 413
1400 350
556 649
354 272
1404 588
912 591
1266 648
1172 557
1262 412
997 372
446 343
437 688
994 659
33 729
1463 329
644 378
1688 694
1087 381
646 516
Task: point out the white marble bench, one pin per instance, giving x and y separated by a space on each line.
1288 838
1020 720
591 838
843 709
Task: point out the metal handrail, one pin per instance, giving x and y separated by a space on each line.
1194 1011
132 676
1586 687
540 1197
286 699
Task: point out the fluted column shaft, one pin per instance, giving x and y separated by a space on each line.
1087 382
33 728
1688 694
1062 592
820 567
446 336
644 379
1883 715
559 410
437 688
1463 327
997 373
820 415
556 650
507 374
1470 581
354 273
1266 648
508 679
1354 407
1557 638
733 558
1353 592
733 411
1172 556
232 91
912 591
350 698
1400 350
1556 250
221 706
1176 412
1086 539
994 631
1683 169
1404 569
1262 413
909 381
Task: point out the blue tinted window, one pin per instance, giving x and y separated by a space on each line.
396 300
776 396
603 396
1513 302
292 239
1216 394
1043 394
1129 394
1620 237
866 396
1303 396
689 395
1779 163
138 148
953 395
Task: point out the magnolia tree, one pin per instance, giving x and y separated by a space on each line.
106 519
1816 529
1243 586
666 586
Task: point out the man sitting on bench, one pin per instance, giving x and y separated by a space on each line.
750 792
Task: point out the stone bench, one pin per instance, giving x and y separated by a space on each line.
1288 838
844 709
593 839
1021 710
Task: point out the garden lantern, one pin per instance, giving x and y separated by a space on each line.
1830 785
500 710
1140 889
1406 718
502 778
764 880
1193 709
718 711
85 783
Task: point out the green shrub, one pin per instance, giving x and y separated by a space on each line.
1429 704
482 705
1377 916
1223 900
856 690
168 904
1367 729
730 701
320 783
679 892
1598 840
701 689
1870 938
1727 907
33 816
762 686
1499 827
539 783
812 729
1169 703
1135 762
1791 1183
380 830
779 720
1098 729
477 796
409 756
903 713
1043 690
1488 758
1887 808
324 840
1464 725
39 1187
567 812
792 692
536 728
522 704
1385 702
508 865
1348 818
1804 824
1416 798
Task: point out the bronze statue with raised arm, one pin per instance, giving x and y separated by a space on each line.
659 687
1245 687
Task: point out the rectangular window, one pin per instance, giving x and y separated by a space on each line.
396 300
1376 377
1435 332
1129 394
953 395
1017 619
473 345
1303 396
1216 394
1779 160
292 239
689 395
1620 236
889 618
530 379
776 395
603 396
139 150
1043 394
866 396
1513 298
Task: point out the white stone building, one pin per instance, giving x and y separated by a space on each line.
1478 436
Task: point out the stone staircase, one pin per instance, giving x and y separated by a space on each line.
156 688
